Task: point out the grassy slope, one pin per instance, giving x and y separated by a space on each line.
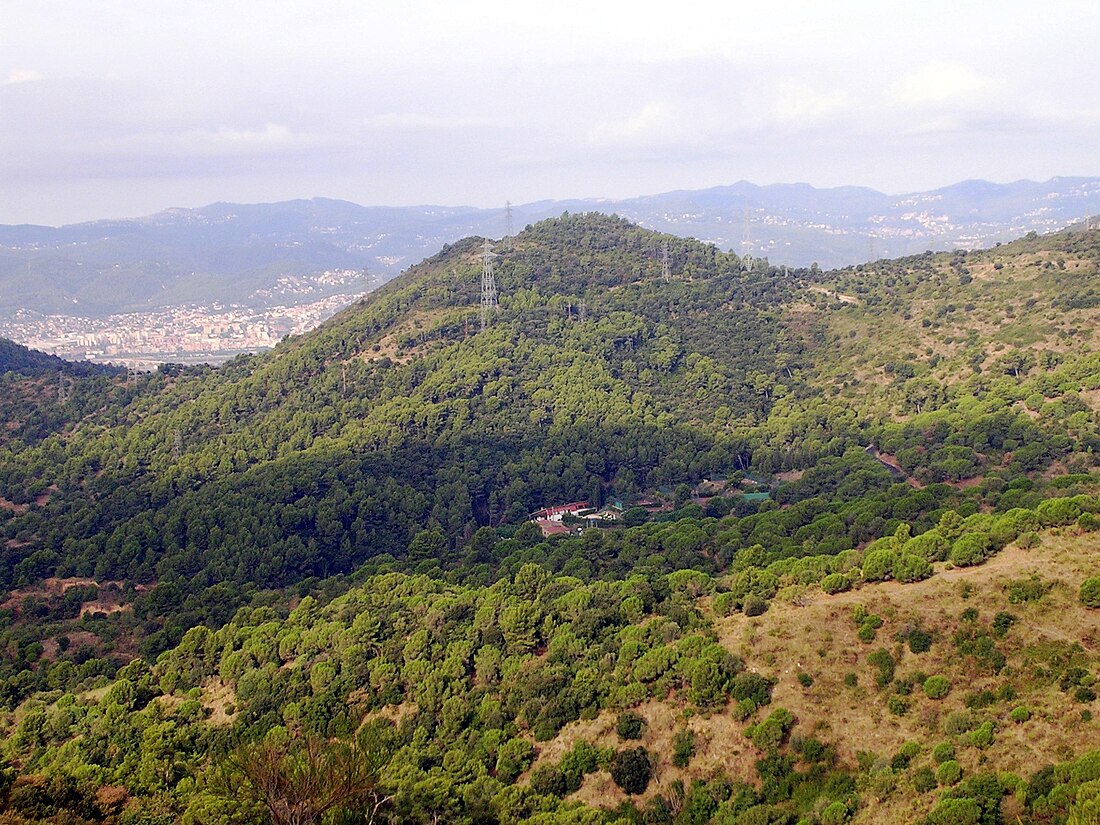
814 633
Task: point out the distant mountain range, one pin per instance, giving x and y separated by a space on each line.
237 253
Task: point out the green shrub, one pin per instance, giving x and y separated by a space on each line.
1020 714
982 737
549 780
835 814
943 752
683 747
1089 593
514 757
629 725
1002 622
754 605
951 811
936 687
836 583
631 770
958 722
805 679
924 780
878 565
770 734
948 773
969 550
884 664
909 567
1026 590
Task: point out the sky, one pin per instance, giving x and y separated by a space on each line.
120 109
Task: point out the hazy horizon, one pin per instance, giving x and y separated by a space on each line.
113 111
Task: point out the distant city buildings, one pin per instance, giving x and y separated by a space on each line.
188 333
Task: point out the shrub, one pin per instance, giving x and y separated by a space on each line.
920 640
1002 622
629 725
943 752
805 679
897 705
969 550
1026 590
930 546
1089 593
515 756
924 780
983 736
965 811
746 685
836 583
631 770
1020 714
885 665
948 773
878 565
683 748
770 734
910 567
754 605
936 687
835 814
957 722
548 779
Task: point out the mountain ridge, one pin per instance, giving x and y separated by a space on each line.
226 252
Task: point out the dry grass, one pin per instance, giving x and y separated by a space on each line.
817 635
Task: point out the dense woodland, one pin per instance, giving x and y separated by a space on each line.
228 588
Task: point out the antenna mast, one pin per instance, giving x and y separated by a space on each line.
666 269
488 284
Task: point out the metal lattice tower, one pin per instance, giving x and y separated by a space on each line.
666 269
488 284
177 443
746 242
508 219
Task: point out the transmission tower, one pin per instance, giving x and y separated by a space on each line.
488 283
746 242
64 388
666 269
508 230
177 443
581 311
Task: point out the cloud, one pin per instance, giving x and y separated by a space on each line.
937 82
22 76
805 105
656 125
224 140
419 122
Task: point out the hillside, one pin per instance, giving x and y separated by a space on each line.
337 531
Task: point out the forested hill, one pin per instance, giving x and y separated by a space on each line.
400 413
18 359
317 562
594 379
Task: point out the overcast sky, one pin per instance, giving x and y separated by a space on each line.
112 109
